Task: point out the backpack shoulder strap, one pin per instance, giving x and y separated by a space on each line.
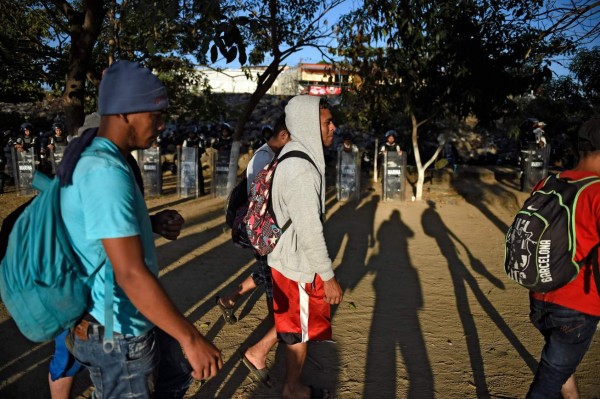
109 276
298 154
292 154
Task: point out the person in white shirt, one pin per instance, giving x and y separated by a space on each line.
255 357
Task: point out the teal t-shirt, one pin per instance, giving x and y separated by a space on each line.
104 201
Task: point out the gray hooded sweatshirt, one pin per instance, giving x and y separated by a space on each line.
298 193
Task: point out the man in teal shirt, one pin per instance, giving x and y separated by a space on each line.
108 223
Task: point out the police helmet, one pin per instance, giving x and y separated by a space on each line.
58 125
26 126
227 126
391 133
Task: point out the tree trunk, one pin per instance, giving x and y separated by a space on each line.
420 167
265 81
85 27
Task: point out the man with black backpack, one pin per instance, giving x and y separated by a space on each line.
568 316
255 357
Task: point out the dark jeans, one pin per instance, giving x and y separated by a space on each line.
568 334
147 366
262 275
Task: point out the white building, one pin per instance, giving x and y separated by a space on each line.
238 80
316 79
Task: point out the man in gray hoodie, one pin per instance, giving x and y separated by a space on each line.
304 286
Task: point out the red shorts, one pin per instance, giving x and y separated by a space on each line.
301 313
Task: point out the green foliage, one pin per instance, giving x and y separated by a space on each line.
586 67
565 102
271 29
25 50
445 59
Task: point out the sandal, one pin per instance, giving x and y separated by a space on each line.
227 312
259 375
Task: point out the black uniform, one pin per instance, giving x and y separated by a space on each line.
28 142
58 141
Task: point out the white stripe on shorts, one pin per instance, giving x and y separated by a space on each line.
304 302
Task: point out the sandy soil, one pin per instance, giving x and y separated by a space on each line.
427 312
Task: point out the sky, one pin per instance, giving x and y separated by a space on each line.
307 54
558 66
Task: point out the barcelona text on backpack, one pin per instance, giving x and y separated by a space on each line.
42 282
541 242
255 225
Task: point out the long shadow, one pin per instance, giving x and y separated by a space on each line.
233 374
354 221
171 251
214 211
475 192
192 280
175 202
434 226
395 324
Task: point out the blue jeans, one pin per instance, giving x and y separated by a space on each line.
568 334
147 366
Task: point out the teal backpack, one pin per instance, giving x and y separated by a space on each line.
42 281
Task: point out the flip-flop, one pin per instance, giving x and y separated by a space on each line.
227 312
259 375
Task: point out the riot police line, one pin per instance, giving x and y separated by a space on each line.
187 156
24 153
177 150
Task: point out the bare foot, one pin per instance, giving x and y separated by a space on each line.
258 361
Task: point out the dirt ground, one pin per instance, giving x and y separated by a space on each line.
427 311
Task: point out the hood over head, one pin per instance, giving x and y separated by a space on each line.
302 119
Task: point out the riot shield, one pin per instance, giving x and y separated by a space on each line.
535 167
187 179
149 162
10 164
24 167
394 176
220 173
56 157
348 175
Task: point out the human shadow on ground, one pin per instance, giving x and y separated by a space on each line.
462 279
481 195
395 323
353 220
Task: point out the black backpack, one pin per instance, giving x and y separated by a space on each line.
236 200
541 243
